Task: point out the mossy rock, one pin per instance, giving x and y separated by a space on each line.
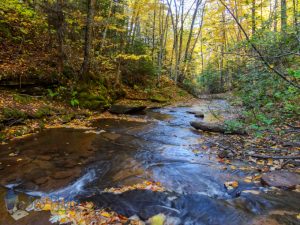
93 101
93 105
10 113
43 112
67 118
159 99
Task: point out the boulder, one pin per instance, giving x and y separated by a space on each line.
126 109
199 115
223 154
214 127
281 179
196 113
191 112
159 99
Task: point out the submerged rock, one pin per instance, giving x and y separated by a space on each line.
281 179
126 109
223 154
199 115
62 174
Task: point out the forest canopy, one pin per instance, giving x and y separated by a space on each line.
204 46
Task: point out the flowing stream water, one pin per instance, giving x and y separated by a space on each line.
76 164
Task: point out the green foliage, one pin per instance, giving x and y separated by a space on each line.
137 71
182 93
67 118
10 113
210 80
52 94
233 125
43 112
18 21
22 99
294 73
74 101
97 97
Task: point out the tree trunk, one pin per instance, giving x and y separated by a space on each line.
163 36
175 42
191 30
153 30
60 35
181 30
106 26
296 17
275 15
85 69
283 16
253 17
223 46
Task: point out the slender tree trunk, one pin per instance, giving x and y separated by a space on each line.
199 33
60 35
253 17
153 30
275 15
85 69
132 23
106 25
135 27
181 31
175 21
198 3
261 13
296 17
283 16
222 50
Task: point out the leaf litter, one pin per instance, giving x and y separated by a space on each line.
146 185
71 212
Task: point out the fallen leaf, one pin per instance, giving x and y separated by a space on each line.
233 167
248 179
231 185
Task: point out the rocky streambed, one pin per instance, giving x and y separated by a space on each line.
200 188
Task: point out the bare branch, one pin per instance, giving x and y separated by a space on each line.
267 64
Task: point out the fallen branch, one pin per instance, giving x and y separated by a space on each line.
292 126
274 157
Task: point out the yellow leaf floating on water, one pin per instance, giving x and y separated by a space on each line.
158 219
260 162
257 177
270 162
47 207
248 179
231 185
105 214
298 216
